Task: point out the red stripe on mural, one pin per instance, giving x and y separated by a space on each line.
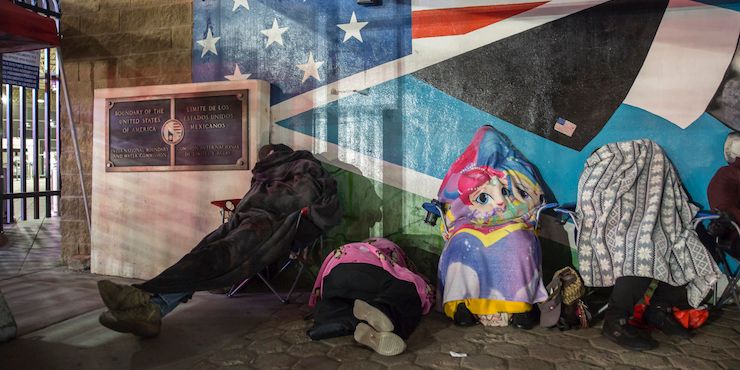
458 21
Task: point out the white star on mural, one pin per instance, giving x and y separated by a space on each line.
242 3
310 68
274 34
237 76
208 44
352 29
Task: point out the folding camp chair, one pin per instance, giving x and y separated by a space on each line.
723 258
297 255
566 213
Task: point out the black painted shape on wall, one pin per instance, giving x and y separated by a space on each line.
579 67
725 106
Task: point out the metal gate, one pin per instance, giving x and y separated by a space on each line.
30 137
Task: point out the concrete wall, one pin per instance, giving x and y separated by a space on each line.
107 44
149 220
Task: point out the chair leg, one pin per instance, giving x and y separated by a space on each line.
729 292
287 263
272 288
295 282
237 287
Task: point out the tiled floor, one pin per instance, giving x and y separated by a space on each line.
32 246
56 311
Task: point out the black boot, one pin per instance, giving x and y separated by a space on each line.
663 319
330 330
619 331
463 316
524 320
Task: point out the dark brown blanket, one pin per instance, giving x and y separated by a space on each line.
264 225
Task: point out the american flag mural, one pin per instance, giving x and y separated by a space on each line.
396 91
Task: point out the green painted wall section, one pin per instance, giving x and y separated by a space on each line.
373 209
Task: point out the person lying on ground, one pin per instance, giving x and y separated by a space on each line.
371 291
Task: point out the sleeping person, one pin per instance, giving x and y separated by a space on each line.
292 200
490 268
369 290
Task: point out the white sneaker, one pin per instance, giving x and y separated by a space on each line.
363 311
384 343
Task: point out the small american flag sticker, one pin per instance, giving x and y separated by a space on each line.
565 127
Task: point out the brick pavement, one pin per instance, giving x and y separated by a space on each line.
281 343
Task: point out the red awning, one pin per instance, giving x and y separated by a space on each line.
22 29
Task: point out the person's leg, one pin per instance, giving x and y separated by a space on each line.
627 291
382 294
392 309
660 311
400 301
669 295
397 299
333 313
132 310
168 301
332 317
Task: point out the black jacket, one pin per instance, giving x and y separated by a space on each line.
264 225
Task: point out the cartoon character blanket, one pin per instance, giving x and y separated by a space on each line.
492 260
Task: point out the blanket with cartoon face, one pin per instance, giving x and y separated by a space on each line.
491 261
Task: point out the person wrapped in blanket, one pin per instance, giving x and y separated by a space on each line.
724 193
292 200
369 289
634 222
490 268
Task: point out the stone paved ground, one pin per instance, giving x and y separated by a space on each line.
281 343
255 331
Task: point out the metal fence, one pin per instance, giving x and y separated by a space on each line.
31 136
49 8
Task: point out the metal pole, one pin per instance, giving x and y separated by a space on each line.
47 130
9 151
3 240
22 136
35 156
73 134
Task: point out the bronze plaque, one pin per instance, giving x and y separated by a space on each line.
178 132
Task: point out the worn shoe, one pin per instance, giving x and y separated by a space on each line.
463 316
143 321
524 320
621 332
364 311
329 330
382 342
663 319
121 297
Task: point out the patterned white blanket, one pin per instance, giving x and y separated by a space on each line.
634 219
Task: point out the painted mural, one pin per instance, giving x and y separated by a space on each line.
395 92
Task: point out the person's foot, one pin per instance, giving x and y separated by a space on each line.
364 311
143 321
382 342
621 332
663 319
524 320
463 316
121 297
329 330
